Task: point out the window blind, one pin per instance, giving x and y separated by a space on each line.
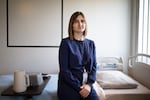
144 27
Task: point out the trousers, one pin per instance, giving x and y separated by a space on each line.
71 94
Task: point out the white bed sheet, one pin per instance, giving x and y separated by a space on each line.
139 93
114 80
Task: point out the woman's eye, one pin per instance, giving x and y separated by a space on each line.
77 21
82 21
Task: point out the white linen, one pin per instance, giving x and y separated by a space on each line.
114 80
100 92
139 93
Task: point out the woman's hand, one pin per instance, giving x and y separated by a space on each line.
85 90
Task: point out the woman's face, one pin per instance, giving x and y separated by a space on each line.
79 25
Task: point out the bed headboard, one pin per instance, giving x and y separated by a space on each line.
139 68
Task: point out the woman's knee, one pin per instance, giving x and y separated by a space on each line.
93 95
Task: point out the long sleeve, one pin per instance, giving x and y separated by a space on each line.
92 64
65 71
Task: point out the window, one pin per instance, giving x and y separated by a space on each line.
144 27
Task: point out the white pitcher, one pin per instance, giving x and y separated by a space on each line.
21 81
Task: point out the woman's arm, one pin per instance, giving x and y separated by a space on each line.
92 74
65 72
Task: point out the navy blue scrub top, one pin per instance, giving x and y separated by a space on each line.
74 57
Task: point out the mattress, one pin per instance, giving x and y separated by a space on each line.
139 93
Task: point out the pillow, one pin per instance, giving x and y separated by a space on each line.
115 80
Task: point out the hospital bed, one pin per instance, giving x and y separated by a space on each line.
118 86
136 86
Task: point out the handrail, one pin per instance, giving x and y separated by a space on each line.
139 54
131 58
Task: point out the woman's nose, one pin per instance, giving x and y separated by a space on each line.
80 23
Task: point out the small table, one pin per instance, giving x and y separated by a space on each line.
30 92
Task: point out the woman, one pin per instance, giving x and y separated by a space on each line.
77 56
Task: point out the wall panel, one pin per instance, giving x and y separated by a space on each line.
34 23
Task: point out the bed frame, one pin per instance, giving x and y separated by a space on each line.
139 68
139 71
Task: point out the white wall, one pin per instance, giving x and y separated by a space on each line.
29 59
108 24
